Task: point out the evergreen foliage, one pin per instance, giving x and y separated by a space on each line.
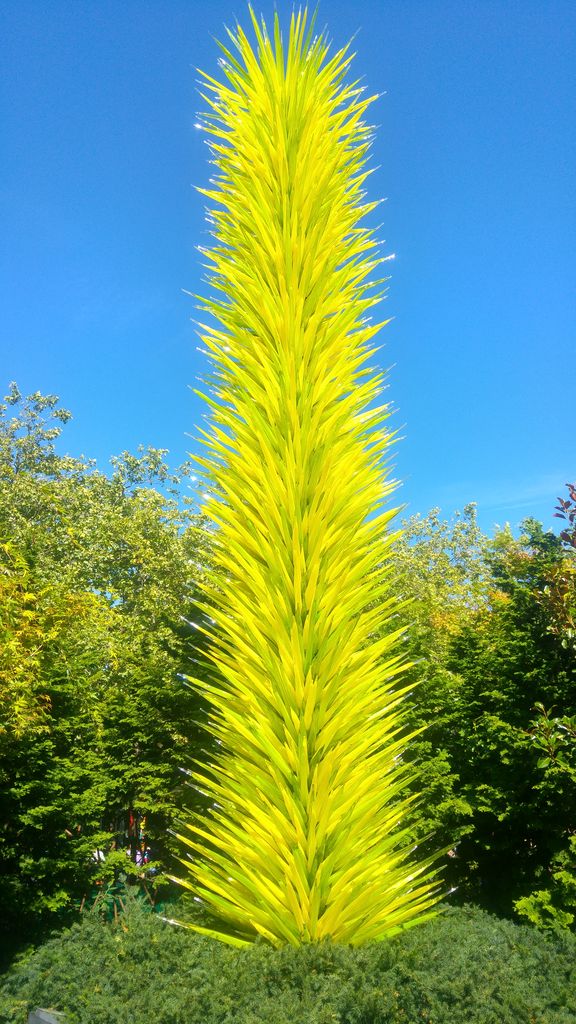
465 967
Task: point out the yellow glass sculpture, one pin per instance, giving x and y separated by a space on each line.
304 838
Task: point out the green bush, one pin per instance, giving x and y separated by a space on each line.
465 967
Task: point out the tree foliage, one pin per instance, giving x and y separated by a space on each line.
98 574
492 623
510 660
441 569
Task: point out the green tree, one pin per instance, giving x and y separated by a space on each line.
511 658
98 624
552 904
491 638
443 574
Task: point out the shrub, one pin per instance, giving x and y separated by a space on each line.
465 966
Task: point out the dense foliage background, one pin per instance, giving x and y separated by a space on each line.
99 579
98 582
493 640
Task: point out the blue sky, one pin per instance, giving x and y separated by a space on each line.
476 150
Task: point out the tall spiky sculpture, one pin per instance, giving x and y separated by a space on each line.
303 839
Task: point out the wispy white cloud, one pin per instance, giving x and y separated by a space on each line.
510 499
523 493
